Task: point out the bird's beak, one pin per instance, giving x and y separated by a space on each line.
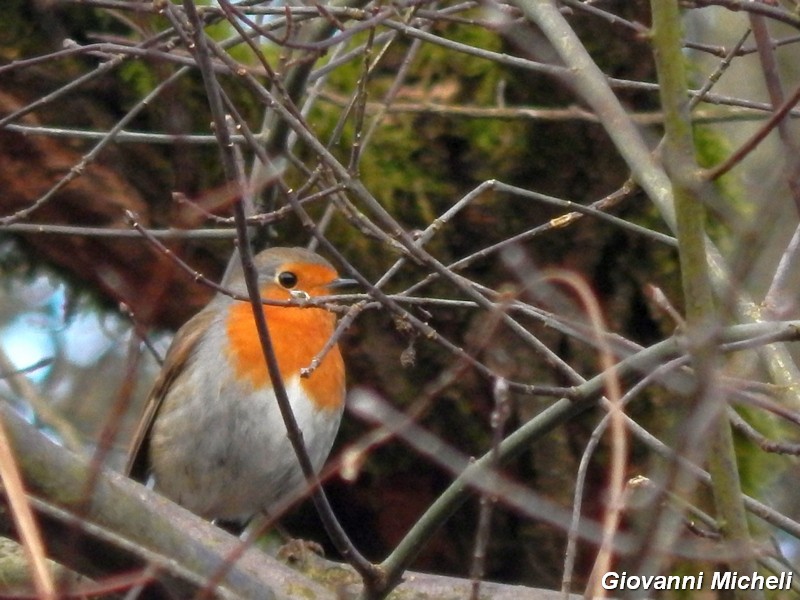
341 282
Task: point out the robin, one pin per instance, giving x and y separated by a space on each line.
212 434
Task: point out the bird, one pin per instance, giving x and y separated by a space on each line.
212 435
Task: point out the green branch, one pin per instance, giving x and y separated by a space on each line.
701 315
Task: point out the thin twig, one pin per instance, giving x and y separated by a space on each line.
26 392
779 299
499 418
563 410
758 8
233 173
22 515
772 78
92 155
750 144
597 434
619 437
759 439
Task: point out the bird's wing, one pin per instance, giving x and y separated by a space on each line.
180 351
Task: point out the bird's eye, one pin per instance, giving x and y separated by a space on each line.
287 279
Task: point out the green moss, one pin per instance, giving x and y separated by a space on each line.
139 77
712 148
420 163
759 470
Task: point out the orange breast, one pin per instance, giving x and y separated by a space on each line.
298 334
